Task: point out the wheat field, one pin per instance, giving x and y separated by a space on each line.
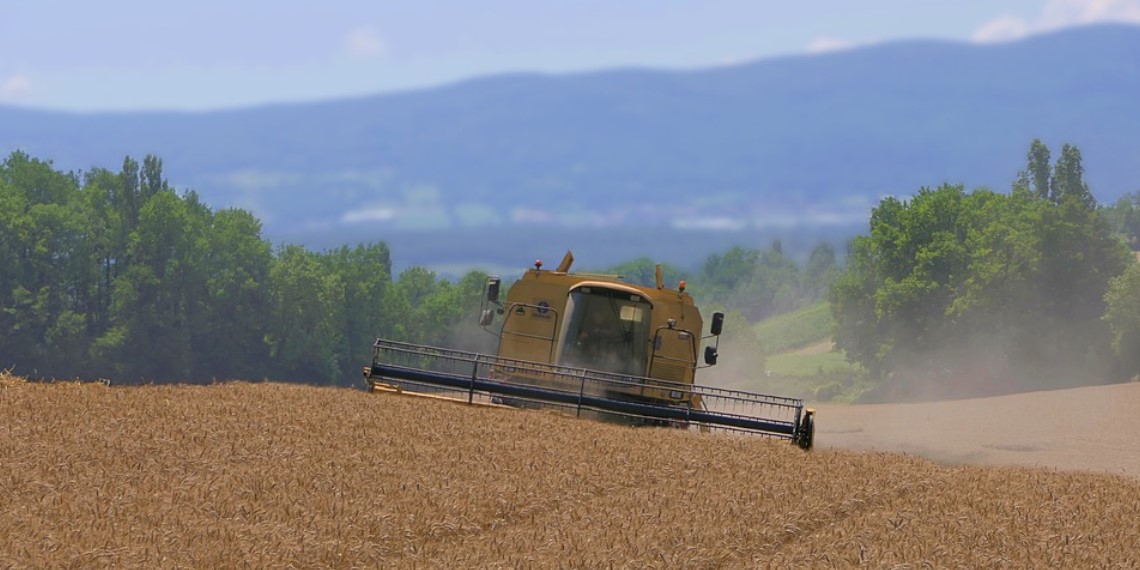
290 476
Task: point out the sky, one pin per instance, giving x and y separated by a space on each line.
116 55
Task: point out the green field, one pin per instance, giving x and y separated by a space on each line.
789 331
793 364
800 357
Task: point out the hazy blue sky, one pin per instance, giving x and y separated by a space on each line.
135 54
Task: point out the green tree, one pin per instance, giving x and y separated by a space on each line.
128 201
415 285
774 286
909 267
237 298
366 273
757 283
953 281
450 310
304 329
1122 302
1068 179
158 296
720 274
1123 218
1037 172
109 243
820 272
643 271
43 254
151 181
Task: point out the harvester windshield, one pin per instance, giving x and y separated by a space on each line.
606 329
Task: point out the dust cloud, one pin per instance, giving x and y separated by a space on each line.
741 366
1094 428
993 364
469 336
971 405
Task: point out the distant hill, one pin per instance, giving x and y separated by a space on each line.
773 142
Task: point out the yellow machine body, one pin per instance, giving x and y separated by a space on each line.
598 322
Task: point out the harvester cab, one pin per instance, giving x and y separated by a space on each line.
598 345
599 323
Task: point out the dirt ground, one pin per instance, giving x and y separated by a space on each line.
1095 429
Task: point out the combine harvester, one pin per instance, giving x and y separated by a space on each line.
593 346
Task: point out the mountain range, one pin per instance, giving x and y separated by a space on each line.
811 140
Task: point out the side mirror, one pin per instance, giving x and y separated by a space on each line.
493 289
710 355
717 324
486 317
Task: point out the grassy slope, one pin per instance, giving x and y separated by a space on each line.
815 363
797 329
797 343
800 360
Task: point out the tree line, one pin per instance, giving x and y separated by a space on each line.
751 283
115 274
1018 288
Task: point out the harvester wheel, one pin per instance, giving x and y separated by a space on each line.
806 437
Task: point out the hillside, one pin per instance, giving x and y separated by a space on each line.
795 139
801 358
287 475
795 330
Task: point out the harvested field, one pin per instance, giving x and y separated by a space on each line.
1094 428
292 476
